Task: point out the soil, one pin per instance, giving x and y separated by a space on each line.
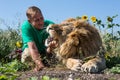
65 74
61 73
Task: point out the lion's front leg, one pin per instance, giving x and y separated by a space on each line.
73 64
94 65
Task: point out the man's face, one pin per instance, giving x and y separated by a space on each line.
38 21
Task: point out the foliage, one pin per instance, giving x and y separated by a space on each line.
5 77
13 67
115 69
9 70
33 78
48 78
8 39
112 61
45 78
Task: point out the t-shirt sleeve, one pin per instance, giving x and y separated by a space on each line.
26 33
45 35
47 22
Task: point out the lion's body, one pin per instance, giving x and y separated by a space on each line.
77 39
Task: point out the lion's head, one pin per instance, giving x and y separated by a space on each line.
59 31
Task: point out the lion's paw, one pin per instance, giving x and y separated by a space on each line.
89 67
74 64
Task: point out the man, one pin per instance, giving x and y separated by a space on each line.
34 35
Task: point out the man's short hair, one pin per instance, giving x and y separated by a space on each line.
32 11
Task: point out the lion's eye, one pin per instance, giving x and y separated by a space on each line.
50 29
73 35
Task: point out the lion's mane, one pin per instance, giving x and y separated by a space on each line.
76 38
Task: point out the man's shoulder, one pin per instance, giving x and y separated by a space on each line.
47 22
26 24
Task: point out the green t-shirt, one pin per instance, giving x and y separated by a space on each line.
47 22
29 34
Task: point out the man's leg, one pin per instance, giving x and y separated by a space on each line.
25 55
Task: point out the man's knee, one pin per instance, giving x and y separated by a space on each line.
25 55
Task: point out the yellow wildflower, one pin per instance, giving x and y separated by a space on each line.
107 55
93 19
84 17
19 44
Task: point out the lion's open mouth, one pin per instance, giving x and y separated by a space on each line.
49 39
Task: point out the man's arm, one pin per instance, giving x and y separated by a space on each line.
33 50
35 55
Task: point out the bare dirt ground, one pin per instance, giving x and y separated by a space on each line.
61 73
65 74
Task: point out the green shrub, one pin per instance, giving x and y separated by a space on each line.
8 39
9 70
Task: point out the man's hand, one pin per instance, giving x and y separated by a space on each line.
39 65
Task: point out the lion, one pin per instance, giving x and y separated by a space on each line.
78 40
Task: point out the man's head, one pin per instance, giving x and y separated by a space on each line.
35 17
